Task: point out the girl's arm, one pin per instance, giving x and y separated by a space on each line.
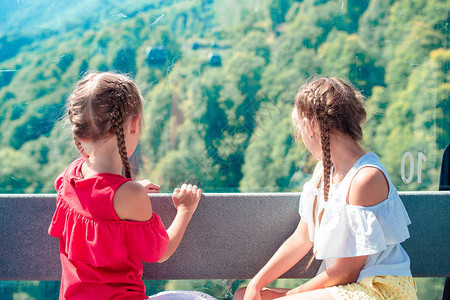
186 201
346 270
290 252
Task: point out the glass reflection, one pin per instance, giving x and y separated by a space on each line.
219 79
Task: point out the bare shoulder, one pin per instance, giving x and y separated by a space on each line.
131 202
369 187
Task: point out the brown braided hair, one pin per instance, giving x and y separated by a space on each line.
335 106
98 108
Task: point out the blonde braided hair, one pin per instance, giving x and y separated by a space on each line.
98 108
335 106
117 122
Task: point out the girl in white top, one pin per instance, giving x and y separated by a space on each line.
351 214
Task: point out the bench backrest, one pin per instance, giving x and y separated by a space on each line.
230 236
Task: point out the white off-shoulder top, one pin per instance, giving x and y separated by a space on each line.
347 230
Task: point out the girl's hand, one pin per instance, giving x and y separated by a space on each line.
294 291
252 294
186 199
149 186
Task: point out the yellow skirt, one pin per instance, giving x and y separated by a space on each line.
377 288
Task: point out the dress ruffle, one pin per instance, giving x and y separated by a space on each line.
390 216
347 230
306 205
358 230
105 243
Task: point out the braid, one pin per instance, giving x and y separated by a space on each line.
117 123
322 115
326 158
99 107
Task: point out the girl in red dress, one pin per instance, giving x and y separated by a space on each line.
104 221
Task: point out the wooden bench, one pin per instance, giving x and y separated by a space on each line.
230 237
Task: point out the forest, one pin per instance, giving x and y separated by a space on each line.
219 93
218 80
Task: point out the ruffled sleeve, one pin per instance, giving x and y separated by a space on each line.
305 208
356 230
59 182
149 240
387 222
103 243
306 204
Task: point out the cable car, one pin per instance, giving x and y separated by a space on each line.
156 55
214 59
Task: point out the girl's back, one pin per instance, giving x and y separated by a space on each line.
92 197
101 254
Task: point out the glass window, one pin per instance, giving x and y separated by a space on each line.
219 79
219 82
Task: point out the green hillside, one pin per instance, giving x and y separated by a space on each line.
228 127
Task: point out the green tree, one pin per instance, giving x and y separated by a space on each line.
347 56
125 61
272 158
16 175
278 10
411 52
373 23
415 122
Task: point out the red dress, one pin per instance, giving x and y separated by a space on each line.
101 255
